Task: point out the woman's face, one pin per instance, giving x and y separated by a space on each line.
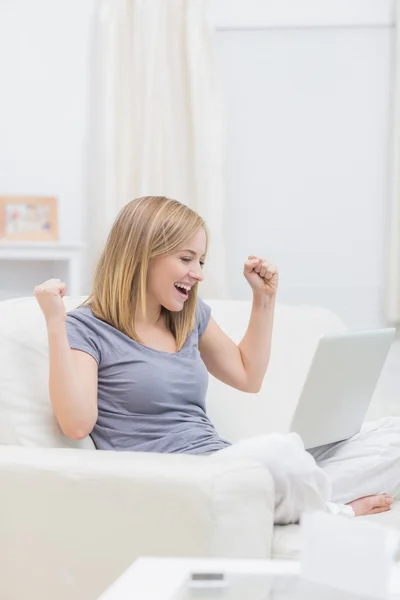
171 276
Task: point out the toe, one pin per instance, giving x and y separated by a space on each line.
379 501
379 509
369 505
385 500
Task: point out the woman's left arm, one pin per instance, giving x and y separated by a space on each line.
243 366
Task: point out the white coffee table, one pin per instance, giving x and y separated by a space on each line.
223 579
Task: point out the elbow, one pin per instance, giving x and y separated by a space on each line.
253 388
250 387
77 431
77 434
254 385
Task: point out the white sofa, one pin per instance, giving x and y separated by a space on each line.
73 518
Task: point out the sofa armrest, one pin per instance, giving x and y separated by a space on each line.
74 520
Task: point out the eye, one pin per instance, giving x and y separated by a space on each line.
188 260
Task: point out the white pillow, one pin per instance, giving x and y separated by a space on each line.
26 415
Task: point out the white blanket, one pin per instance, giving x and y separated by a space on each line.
367 464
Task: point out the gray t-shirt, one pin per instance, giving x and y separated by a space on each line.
148 400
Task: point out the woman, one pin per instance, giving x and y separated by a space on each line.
130 366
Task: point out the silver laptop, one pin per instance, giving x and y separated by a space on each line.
339 385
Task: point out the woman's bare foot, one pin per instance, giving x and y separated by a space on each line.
371 505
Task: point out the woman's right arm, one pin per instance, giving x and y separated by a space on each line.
73 373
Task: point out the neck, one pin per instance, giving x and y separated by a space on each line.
152 317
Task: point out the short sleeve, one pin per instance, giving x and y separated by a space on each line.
82 335
203 314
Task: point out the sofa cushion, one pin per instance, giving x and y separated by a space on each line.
286 542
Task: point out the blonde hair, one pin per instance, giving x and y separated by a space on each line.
145 228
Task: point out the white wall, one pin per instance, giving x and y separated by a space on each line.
44 60
44 48
307 91
308 150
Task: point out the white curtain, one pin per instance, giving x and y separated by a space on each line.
393 287
156 118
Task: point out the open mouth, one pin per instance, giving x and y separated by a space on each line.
183 290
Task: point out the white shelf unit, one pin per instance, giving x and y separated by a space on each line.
66 256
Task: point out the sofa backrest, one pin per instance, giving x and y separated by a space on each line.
296 332
26 416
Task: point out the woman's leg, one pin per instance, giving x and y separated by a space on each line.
366 464
300 485
303 479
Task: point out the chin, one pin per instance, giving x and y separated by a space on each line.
173 306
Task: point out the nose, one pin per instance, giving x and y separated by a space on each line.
196 274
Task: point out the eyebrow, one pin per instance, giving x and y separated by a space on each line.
192 252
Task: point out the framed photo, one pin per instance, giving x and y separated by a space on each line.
28 218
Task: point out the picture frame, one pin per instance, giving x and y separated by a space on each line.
28 218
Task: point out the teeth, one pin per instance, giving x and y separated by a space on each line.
185 287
